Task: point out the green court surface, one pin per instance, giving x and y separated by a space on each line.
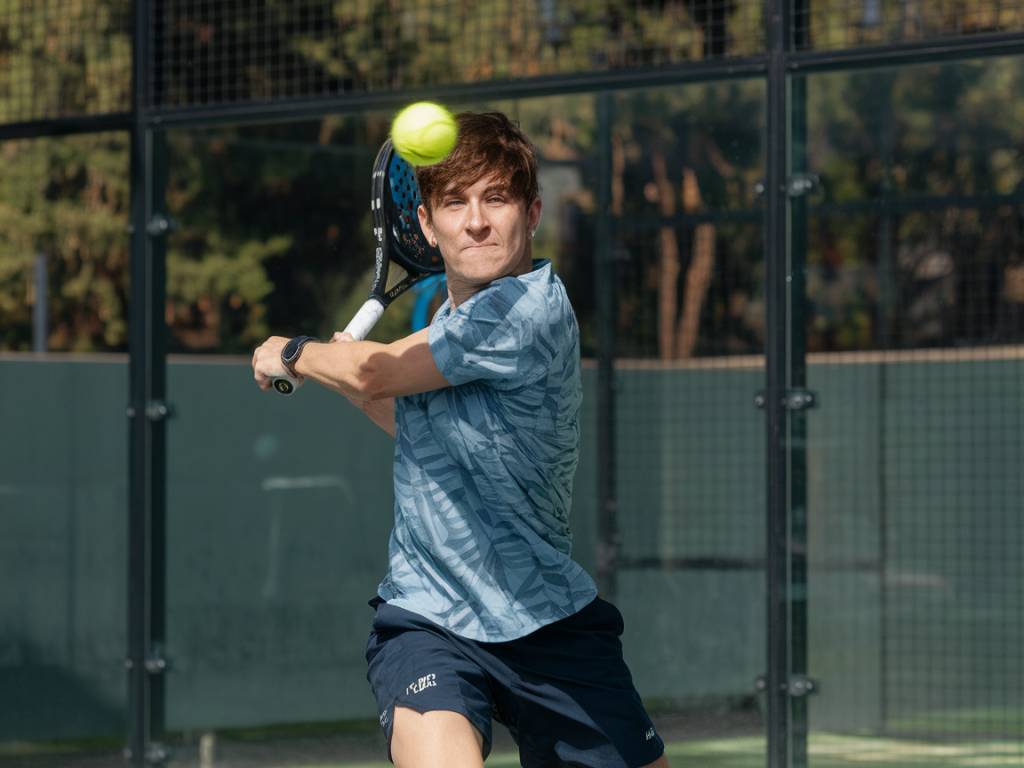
826 751
835 751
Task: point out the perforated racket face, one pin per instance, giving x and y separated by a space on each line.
408 245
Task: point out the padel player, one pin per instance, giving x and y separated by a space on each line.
483 613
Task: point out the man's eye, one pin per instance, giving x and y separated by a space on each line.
452 202
496 199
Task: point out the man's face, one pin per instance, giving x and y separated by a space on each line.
483 233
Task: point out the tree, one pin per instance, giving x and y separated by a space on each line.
68 200
65 199
274 233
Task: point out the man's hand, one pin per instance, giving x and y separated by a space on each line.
266 362
266 359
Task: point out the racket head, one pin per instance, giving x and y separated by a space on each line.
394 200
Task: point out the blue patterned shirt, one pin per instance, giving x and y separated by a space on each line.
484 468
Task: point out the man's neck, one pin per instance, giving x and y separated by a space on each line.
459 291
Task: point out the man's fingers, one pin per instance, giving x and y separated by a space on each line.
342 336
266 362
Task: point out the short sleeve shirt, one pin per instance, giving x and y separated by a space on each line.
484 467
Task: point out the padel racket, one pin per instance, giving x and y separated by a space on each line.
403 254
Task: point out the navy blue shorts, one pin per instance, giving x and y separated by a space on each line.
564 692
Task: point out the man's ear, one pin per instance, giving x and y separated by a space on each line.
428 230
533 215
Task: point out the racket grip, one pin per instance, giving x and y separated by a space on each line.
364 320
286 385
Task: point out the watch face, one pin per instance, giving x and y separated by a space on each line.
290 348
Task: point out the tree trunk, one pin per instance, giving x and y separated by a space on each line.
698 276
668 259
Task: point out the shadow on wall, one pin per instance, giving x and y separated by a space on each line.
47 701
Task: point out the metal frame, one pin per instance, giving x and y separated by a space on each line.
297 109
147 413
605 281
776 381
903 54
782 67
67 126
147 452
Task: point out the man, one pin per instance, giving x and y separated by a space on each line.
483 613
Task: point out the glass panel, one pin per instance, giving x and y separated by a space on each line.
279 509
226 51
63 465
689 447
915 326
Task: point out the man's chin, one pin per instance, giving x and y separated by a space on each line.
483 279
485 268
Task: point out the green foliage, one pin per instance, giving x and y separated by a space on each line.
838 24
884 273
274 233
61 57
67 199
373 45
215 300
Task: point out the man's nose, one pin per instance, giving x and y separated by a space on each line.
476 216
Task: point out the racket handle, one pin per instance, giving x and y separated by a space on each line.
364 320
286 385
359 326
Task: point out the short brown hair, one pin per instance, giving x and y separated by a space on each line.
489 143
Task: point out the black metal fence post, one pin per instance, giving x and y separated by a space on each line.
604 288
776 343
147 413
799 186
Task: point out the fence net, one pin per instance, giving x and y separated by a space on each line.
906 492
823 25
64 58
236 51
915 325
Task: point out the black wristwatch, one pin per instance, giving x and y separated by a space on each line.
291 352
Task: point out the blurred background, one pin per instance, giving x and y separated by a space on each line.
793 235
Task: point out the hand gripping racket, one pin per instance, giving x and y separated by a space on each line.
403 252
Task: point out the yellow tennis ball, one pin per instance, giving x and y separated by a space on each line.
424 133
